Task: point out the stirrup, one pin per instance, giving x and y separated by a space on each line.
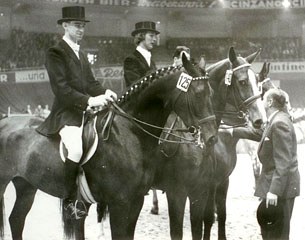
76 210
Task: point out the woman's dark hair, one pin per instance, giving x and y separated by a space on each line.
139 37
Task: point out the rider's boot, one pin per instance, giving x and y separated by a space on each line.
73 210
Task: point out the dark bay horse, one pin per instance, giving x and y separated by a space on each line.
226 157
225 152
189 172
121 170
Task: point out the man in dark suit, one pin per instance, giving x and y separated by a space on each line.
277 151
140 63
75 90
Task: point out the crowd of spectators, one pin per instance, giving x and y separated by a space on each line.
27 49
275 49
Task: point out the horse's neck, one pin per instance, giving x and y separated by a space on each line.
148 106
217 101
217 73
227 140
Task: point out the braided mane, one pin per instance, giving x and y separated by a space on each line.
146 81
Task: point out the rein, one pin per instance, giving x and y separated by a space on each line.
137 123
224 126
115 109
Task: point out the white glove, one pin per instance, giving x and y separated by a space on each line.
111 94
102 100
99 101
271 199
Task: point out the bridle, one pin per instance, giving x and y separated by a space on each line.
194 130
240 105
261 84
174 98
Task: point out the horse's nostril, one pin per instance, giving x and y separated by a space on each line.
258 123
212 140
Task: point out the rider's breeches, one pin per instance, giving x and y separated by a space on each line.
72 139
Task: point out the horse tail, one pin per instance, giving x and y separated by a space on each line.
68 223
102 211
2 215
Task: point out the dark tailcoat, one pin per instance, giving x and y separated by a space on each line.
72 83
136 67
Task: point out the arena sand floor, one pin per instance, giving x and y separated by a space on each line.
44 220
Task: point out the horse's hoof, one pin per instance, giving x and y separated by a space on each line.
154 211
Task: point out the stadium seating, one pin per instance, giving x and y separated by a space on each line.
27 49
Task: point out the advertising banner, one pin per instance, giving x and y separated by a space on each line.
234 4
32 76
111 77
263 4
142 3
112 72
8 77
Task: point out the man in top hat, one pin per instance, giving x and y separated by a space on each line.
139 63
280 179
75 90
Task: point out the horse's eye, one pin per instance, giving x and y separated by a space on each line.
243 82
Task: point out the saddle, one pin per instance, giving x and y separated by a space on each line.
90 142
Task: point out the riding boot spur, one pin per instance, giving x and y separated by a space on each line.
74 208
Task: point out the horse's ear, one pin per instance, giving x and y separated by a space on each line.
261 75
186 63
268 67
264 72
252 57
189 67
232 55
202 63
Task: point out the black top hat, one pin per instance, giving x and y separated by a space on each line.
73 13
144 27
271 217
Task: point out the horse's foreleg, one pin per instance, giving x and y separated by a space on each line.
122 227
155 207
25 194
256 167
220 198
209 212
134 215
176 204
197 206
4 183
